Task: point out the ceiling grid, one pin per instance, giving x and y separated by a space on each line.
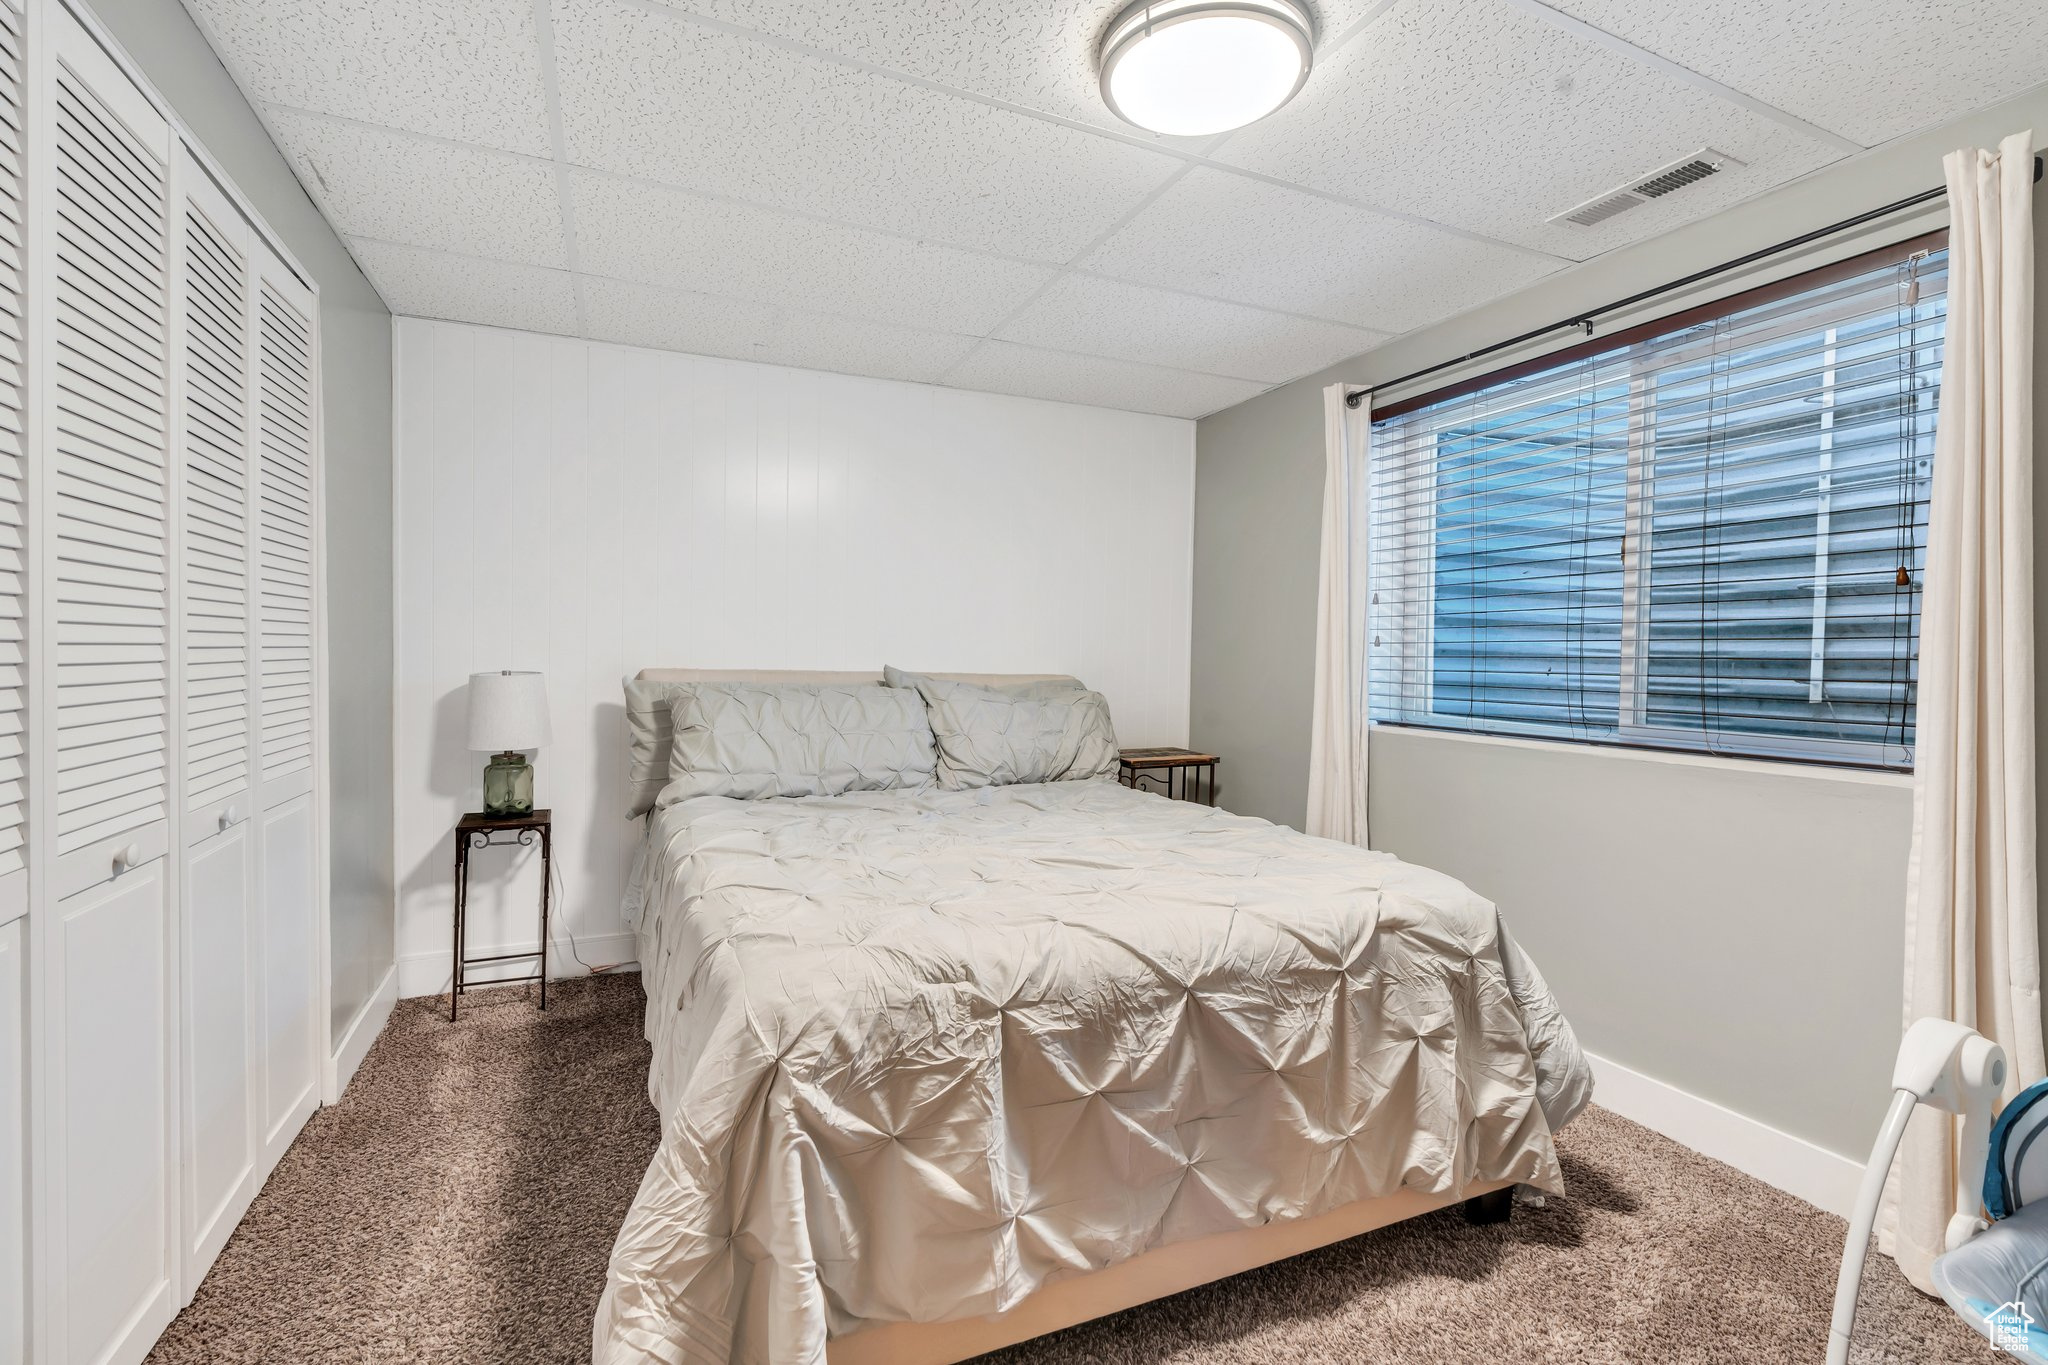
938 194
544 38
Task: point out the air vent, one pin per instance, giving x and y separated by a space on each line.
1689 170
1676 178
1600 210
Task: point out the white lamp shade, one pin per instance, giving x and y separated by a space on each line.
508 711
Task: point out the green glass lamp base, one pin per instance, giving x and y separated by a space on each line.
508 785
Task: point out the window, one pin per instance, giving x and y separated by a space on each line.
1702 534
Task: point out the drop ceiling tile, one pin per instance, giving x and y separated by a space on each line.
1483 116
400 188
1037 55
635 231
1870 70
1000 367
673 320
1334 18
1261 244
1157 327
434 284
653 95
852 347
463 69
706 324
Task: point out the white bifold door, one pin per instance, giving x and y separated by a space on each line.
14 900
106 1165
286 838
169 943
222 940
250 960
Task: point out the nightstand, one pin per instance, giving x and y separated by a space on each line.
1168 769
477 830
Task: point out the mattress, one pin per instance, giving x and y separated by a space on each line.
917 1054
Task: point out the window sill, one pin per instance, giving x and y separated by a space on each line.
1864 777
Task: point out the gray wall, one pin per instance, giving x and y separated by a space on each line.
1733 929
355 340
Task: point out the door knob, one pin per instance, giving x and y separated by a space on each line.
229 815
126 858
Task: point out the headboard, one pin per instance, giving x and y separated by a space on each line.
648 728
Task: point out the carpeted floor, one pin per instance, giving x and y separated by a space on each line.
458 1205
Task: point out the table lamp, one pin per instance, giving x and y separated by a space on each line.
508 712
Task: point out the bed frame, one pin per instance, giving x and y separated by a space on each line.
1152 1275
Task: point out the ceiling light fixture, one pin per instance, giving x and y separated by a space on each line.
1195 67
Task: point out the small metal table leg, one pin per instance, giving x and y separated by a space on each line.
547 886
461 908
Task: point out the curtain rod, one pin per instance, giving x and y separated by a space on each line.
1585 320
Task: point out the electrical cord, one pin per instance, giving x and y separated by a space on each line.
559 889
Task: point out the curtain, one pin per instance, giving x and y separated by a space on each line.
1336 756
1972 946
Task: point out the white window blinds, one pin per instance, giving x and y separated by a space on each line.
108 458
216 566
13 451
285 590
1705 535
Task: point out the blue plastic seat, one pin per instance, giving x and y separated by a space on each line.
1998 1283
1998 1280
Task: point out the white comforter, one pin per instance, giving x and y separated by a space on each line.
917 1054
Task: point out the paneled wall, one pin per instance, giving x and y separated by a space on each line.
591 510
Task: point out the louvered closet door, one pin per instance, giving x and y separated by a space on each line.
216 580
221 1090
14 925
13 472
110 435
286 835
285 435
106 386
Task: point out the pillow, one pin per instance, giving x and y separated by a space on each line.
1056 686
650 728
992 736
754 740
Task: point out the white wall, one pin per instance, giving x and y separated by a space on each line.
590 510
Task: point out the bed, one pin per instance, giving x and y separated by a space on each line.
940 1071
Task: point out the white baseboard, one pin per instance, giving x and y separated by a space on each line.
355 1040
1822 1178
429 973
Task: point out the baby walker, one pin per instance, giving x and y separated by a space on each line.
1994 1273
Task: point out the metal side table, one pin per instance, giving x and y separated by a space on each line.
1192 770
477 830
